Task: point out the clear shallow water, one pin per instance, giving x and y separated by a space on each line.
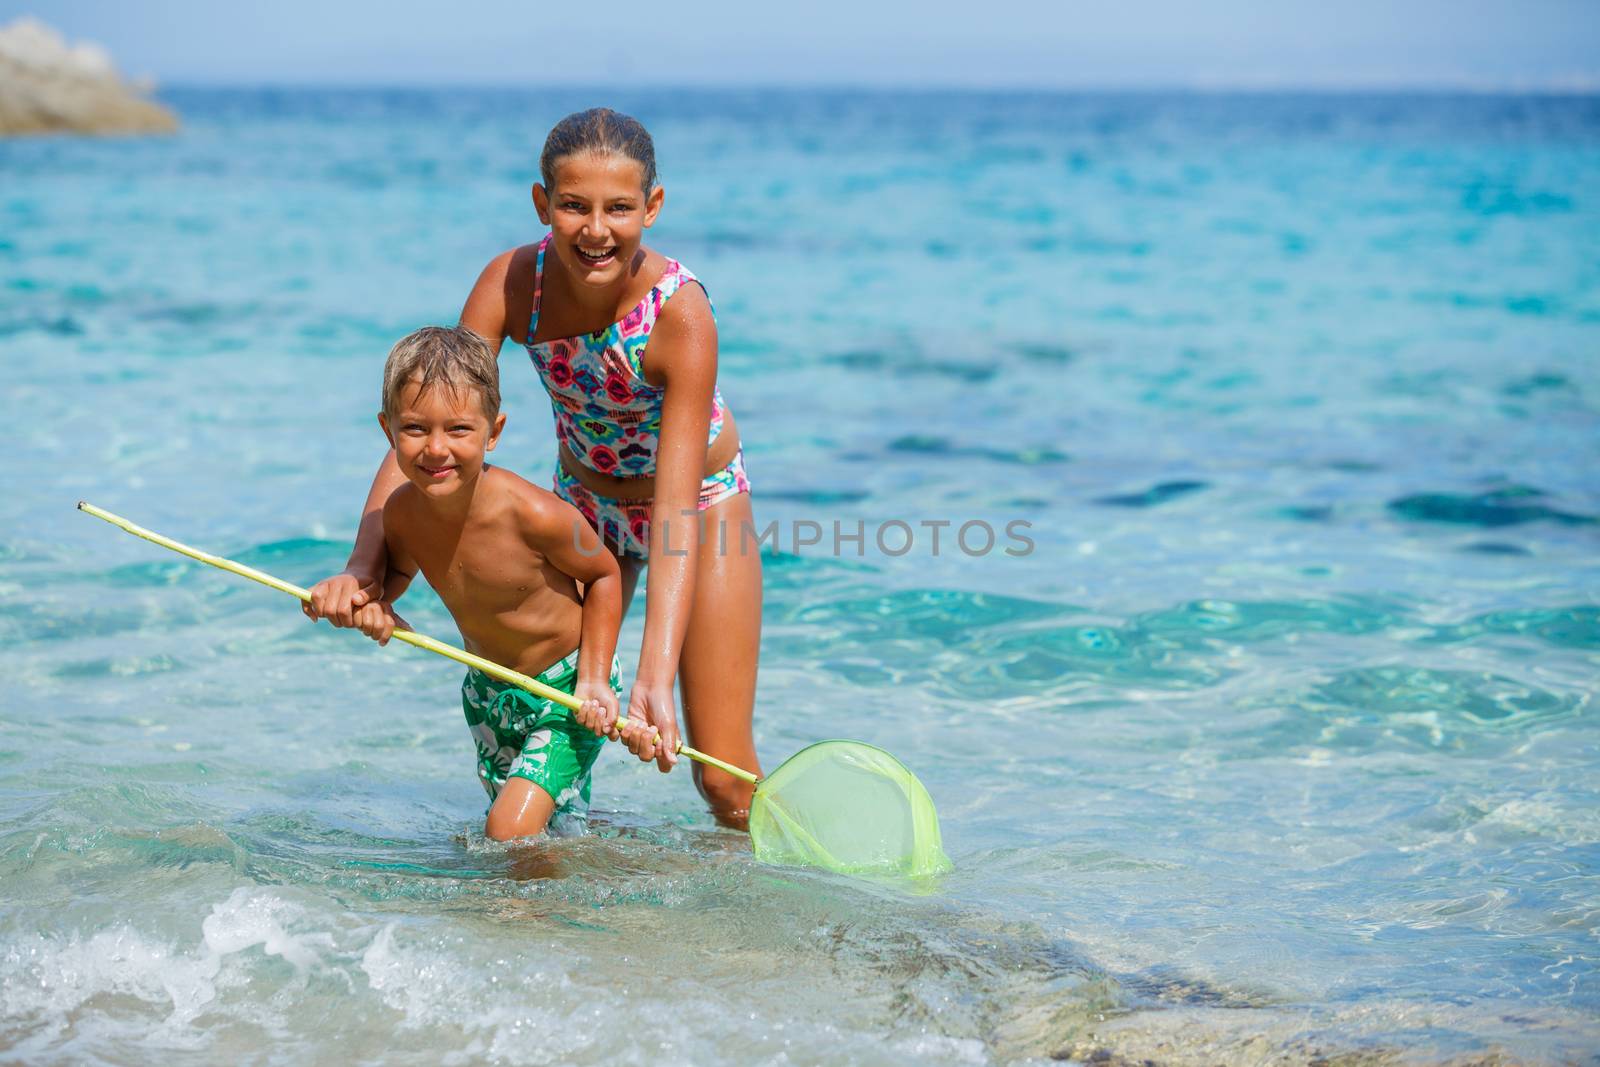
1279 744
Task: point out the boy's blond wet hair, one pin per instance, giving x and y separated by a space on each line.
453 356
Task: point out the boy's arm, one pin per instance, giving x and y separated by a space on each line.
338 598
402 568
378 619
559 531
395 584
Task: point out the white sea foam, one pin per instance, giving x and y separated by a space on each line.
251 917
77 987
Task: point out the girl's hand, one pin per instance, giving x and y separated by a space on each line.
337 599
599 709
652 730
379 621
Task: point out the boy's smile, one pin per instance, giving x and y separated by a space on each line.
440 436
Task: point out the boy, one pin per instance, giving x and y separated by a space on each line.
506 557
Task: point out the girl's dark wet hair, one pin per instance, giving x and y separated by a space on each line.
604 132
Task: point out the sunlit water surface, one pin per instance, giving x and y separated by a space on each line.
1279 744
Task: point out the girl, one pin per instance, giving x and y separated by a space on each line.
648 452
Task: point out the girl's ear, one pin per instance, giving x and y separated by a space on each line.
496 429
652 205
541 203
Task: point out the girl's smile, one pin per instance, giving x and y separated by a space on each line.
597 210
597 257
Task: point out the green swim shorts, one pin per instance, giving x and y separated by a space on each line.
519 735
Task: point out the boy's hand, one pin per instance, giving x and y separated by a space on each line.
338 598
379 621
599 709
652 730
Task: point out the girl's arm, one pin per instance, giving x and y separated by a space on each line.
683 353
497 291
378 620
338 598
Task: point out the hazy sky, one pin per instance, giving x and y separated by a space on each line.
1132 43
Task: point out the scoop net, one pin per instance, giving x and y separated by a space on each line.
849 807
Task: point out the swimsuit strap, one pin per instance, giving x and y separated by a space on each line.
538 288
671 279
675 277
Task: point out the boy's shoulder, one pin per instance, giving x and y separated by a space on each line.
530 503
397 501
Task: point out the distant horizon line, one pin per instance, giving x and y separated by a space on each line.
1583 86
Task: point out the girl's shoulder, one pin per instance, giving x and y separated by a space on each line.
683 297
683 301
519 265
683 326
514 264
502 296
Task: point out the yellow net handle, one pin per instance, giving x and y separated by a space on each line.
489 667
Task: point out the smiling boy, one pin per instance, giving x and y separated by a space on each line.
507 559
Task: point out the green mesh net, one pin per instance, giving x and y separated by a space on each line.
850 807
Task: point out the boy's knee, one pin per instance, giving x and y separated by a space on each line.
498 829
521 810
509 827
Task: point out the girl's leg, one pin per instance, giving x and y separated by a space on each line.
717 667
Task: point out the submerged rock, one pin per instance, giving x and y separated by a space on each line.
47 85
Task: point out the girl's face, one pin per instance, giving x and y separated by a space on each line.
597 212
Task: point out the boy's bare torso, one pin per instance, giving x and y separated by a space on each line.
510 602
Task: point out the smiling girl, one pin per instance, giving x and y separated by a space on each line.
625 342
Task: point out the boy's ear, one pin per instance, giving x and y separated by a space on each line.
541 203
494 432
652 205
383 420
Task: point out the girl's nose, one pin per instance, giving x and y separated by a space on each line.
595 225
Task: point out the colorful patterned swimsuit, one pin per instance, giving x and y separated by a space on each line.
609 417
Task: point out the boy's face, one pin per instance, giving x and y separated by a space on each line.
440 436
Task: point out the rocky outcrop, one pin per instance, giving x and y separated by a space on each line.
49 86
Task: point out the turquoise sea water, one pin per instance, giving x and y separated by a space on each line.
1279 746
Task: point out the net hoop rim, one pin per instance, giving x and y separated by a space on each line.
836 741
